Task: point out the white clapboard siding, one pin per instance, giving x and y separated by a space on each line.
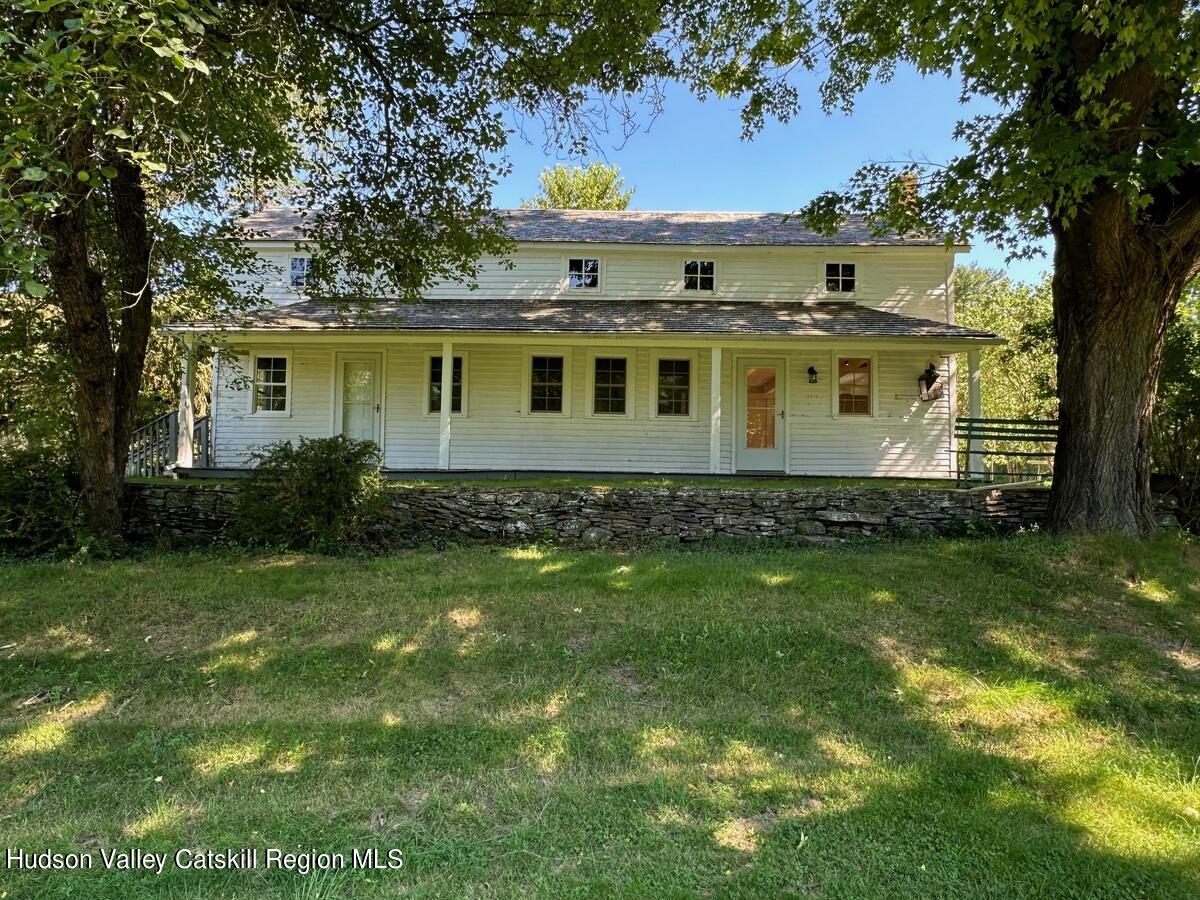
907 280
237 432
907 437
495 434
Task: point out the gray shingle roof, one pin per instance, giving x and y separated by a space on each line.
600 316
639 227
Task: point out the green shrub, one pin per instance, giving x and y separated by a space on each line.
39 503
326 494
1176 445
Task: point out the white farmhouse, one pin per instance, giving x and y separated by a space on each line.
636 342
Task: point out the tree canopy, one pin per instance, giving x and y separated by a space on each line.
597 186
1020 382
134 132
1091 139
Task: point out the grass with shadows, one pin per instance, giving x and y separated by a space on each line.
1016 717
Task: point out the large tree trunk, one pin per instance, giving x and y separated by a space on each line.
79 289
133 264
108 373
1115 288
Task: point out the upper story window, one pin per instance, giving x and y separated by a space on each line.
674 394
270 384
699 275
547 384
300 267
839 278
583 273
854 386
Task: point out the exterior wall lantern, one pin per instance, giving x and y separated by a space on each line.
812 375
930 387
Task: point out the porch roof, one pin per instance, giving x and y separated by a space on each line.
596 316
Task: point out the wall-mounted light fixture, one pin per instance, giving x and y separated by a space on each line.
812 375
930 389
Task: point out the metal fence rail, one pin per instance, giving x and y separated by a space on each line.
153 446
1004 450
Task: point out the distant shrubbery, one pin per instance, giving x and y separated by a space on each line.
324 494
1176 446
39 503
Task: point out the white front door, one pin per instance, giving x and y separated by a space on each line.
761 422
358 402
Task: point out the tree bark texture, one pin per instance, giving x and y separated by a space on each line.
136 302
107 368
1115 289
79 289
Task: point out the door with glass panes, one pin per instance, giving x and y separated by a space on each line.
760 438
358 407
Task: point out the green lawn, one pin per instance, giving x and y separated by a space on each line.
1000 718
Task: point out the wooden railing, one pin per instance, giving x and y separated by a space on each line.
153 446
1004 450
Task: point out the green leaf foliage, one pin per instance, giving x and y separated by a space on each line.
1177 416
1084 100
39 503
324 494
1019 376
596 186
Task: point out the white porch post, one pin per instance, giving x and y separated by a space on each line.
187 411
447 400
714 433
975 411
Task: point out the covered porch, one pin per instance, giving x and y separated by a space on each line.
596 386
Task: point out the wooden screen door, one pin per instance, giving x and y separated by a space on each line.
358 395
761 423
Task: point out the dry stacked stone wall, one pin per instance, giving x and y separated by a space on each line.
199 510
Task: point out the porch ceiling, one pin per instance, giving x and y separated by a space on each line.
596 316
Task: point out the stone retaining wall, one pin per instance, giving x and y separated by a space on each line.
196 510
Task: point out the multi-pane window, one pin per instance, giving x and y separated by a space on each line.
583 273
610 385
854 386
839 278
674 387
435 385
546 384
270 383
301 266
699 275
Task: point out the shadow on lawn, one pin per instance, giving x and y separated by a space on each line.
813 723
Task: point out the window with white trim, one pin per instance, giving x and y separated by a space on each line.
583 273
270 384
457 381
300 267
854 386
840 278
610 385
699 275
547 383
673 396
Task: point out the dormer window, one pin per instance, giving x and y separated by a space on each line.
583 274
300 267
839 278
699 275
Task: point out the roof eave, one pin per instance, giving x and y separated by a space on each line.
234 330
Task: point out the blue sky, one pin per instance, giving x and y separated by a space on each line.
692 155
